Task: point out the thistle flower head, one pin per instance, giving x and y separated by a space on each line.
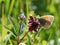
33 24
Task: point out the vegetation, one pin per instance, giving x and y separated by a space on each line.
14 19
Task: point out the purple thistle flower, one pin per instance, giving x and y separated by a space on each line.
33 24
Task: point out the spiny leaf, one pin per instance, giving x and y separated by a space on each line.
7 27
10 29
14 23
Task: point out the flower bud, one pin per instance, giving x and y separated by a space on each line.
22 16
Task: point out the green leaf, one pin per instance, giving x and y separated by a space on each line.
14 23
10 29
29 40
6 39
7 27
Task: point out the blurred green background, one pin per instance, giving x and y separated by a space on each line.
13 8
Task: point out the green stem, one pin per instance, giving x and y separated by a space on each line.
24 36
19 40
11 7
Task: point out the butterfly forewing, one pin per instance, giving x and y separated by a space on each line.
46 21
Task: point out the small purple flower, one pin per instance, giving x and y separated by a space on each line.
22 16
33 24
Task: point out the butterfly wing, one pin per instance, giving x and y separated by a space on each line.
46 21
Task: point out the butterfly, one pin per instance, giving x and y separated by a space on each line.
46 21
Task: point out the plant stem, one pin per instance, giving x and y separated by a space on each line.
18 34
19 40
24 36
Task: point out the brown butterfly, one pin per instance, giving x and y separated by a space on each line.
46 20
